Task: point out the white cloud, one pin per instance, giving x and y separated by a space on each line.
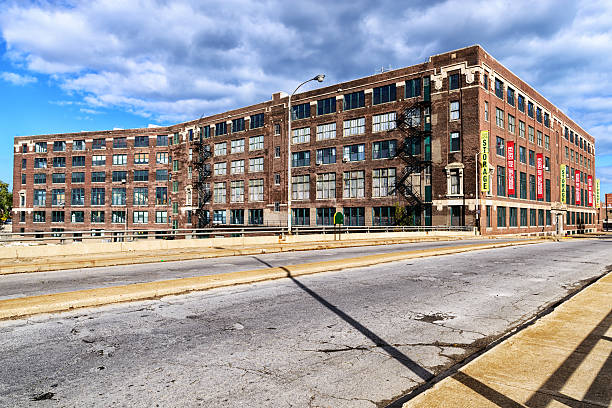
17 79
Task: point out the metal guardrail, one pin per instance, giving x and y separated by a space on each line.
191 233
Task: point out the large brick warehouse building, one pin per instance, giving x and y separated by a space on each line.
403 146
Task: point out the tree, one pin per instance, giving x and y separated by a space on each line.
6 201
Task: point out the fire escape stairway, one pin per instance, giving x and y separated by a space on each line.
201 183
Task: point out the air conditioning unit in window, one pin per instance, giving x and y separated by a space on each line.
318 163
344 160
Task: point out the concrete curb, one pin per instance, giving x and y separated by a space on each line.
13 308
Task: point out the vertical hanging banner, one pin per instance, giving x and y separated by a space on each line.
597 194
484 161
577 183
540 175
590 187
510 165
563 184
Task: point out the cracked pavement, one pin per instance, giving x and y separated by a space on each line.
353 338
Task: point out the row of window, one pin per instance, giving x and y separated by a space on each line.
118 176
98 196
237 146
578 141
256 165
385 149
523 217
97 160
519 102
541 140
117 217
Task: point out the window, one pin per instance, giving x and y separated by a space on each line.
161 196
300 187
354 152
276 152
256 142
453 81
513 217
175 186
541 217
119 143
354 100
40 178
413 88
58 178
176 139
546 119
161 158
257 121
326 186
531 135
141 217
162 140
237 191
549 217
141 175
98 177
237 125
499 117
118 196
220 128
277 130
97 196
59 146
454 110
547 142
354 184
383 122
141 158
118 217
485 80
530 109
539 114
521 129
501 217
501 181
120 159
236 217
24 179
141 196
161 217
40 147
256 190
522 154
24 163
532 217
539 138
354 127
500 147
300 159
57 216
327 131
521 103
300 111
38 216
277 179
300 216
383 182
98 161
219 193
220 149
413 116
486 111
383 150
220 169
547 163
78 145
523 217
119 176
523 185
383 215
510 93
454 180
237 167
58 196
547 190
78 177
300 135
383 94
219 217
98 144
141 141
78 196
354 216
511 124
327 105
41 163
237 146
77 216
256 165
532 187
326 156
499 89
455 142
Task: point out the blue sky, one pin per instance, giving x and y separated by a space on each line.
71 65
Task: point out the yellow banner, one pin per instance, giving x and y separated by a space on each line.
484 161
563 183
597 194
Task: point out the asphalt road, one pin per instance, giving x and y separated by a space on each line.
39 283
353 338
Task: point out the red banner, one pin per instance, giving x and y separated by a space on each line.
577 182
510 163
540 175
590 185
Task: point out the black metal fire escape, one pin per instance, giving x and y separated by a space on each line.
201 181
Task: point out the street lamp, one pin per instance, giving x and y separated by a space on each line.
318 78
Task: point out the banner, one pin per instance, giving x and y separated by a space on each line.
510 163
590 187
484 161
597 194
563 184
540 175
577 183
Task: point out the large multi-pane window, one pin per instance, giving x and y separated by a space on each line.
384 149
141 217
547 190
257 121
40 178
141 196
499 117
523 217
326 186
119 159
118 217
119 196
454 110
413 88
237 146
383 215
220 149
237 167
162 140
455 142
77 216
300 159
383 122
219 217
41 162
40 147
78 177
354 184
98 144
500 146
141 158
521 103
119 176
383 94
325 215
97 196
237 191
532 187
547 142
39 216
59 146
531 132
354 152
256 190
98 160
161 158
354 100
510 93
522 154
531 158
354 216
98 177
501 181
300 111
327 105
219 193
220 169
354 127
300 187
300 216
512 219
256 165
511 124
59 162
383 182
539 114
141 175
161 195
326 155
521 129
499 88
161 217
301 135
256 142
539 138
78 145
501 217
78 196
453 81
141 141
326 131
57 216
58 196
237 125
58 178
523 185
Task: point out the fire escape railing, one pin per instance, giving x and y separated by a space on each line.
201 182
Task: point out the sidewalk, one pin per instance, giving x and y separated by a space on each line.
562 360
